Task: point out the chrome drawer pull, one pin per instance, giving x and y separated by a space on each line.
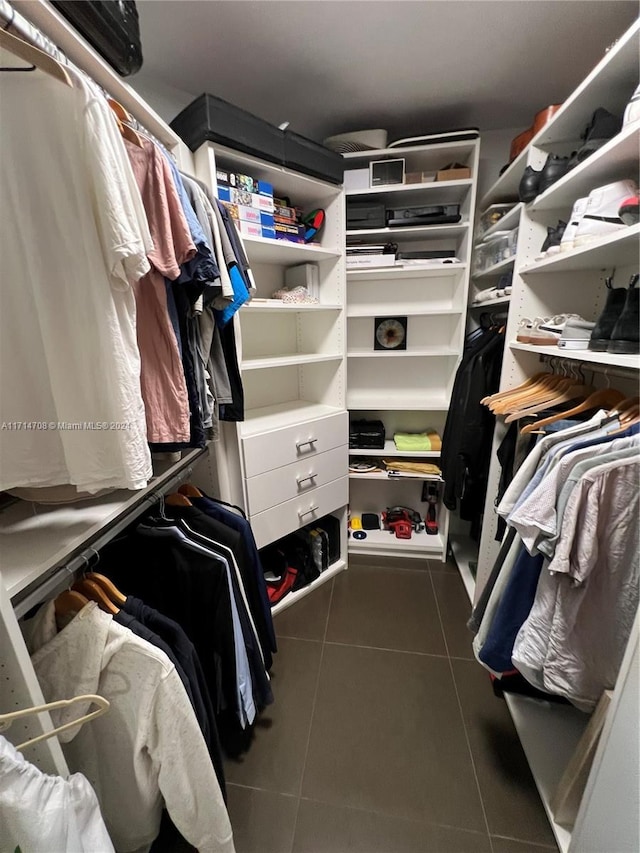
303 512
311 476
310 441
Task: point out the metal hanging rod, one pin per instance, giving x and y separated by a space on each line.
591 366
63 576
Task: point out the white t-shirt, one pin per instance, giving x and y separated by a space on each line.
71 247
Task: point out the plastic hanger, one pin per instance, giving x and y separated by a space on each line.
108 587
605 398
32 54
93 592
103 706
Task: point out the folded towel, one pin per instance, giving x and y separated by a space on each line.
412 467
413 441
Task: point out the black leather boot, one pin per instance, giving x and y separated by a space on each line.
625 337
601 335
529 181
554 169
602 127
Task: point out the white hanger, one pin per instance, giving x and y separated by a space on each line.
103 706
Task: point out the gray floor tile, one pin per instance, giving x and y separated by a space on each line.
448 568
386 609
508 845
455 609
510 797
307 618
387 736
275 759
263 822
323 828
408 563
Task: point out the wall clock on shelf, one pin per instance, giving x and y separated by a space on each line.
390 333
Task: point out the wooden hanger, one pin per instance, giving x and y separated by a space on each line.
32 54
562 396
628 411
103 706
190 491
124 120
95 593
605 398
108 587
501 394
177 499
544 390
68 602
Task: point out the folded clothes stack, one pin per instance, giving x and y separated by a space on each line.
418 468
413 442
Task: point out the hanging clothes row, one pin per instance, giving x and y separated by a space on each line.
115 331
560 601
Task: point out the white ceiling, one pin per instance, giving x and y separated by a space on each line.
409 66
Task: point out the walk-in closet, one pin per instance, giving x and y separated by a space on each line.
319 426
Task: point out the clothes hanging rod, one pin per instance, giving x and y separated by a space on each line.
36 21
63 576
591 366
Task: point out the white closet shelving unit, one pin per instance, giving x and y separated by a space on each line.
40 545
286 464
408 390
574 282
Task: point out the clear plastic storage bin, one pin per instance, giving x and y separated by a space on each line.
491 216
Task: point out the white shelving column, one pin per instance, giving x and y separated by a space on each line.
408 390
573 282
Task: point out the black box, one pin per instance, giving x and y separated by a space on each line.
365 215
210 119
366 435
430 214
309 157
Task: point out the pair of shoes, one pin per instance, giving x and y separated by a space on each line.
602 127
533 183
576 334
607 209
551 245
547 331
617 327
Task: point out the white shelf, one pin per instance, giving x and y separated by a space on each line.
496 269
35 538
386 310
391 450
618 249
383 475
465 550
487 303
458 150
416 353
294 359
281 415
292 597
549 733
447 191
412 232
384 543
402 401
506 223
265 250
616 160
505 188
409 271
607 358
271 305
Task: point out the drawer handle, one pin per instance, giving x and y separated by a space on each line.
311 476
309 441
303 512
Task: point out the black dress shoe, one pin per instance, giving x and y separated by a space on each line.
625 337
551 245
602 127
601 335
554 169
529 181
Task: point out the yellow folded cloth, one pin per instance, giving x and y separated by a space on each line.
414 441
412 467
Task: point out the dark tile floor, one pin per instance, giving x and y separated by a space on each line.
385 736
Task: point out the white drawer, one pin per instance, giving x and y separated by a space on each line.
292 481
279 447
291 515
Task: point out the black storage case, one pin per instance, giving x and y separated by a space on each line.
311 158
365 215
366 435
431 214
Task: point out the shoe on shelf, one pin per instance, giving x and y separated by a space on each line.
601 215
554 168
625 337
547 332
576 334
529 182
601 335
629 212
551 245
632 111
602 127
523 332
579 207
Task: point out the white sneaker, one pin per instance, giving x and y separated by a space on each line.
547 332
632 112
576 334
579 207
601 214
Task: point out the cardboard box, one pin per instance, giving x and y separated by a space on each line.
224 193
244 182
356 179
269 233
265 189
249 229
266 220
222 177
453 174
